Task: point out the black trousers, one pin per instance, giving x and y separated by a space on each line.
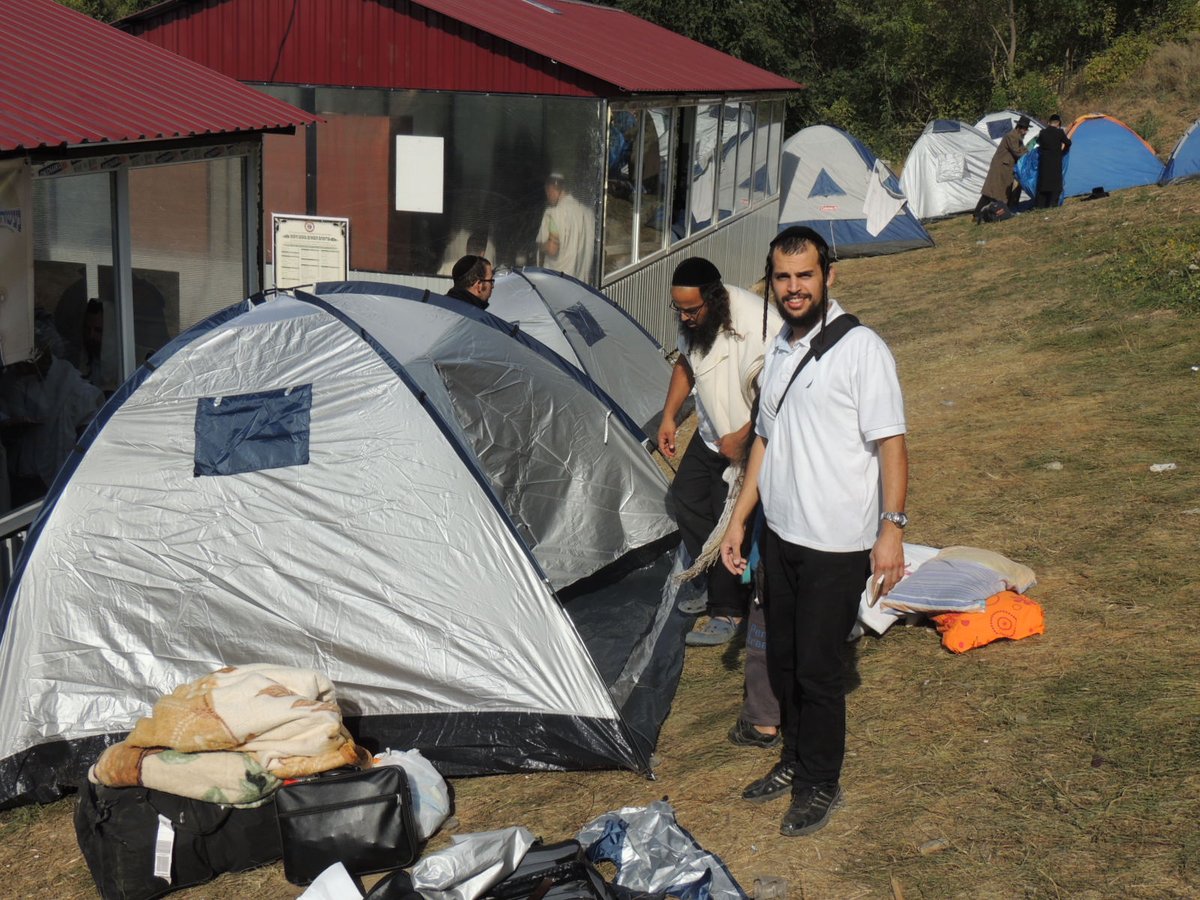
1045 200
811 605
699 492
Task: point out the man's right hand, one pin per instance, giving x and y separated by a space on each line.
731 548
666 437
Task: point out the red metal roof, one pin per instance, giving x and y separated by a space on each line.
67 80
615 46
505 46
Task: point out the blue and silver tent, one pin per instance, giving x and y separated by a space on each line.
406 499
946 168
1185 158
833 184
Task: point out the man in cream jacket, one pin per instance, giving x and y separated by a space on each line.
721 346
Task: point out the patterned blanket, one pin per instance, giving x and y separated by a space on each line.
233 736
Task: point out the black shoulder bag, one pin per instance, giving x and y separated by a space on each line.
821 344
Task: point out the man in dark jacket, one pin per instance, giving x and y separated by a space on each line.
473 281
1053 144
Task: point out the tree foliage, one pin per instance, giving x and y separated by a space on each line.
883 68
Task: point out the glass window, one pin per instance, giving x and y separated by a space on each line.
187 239
621 172
498 155
654 211
773 159
760 187
705 162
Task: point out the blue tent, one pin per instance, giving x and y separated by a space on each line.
1185 158
825 183
1104 153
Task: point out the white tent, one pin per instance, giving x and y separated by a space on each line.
945 169
833 184
391 493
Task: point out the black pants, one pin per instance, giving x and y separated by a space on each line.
699 493
1045 200
811 604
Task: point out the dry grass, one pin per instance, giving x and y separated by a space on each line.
1160 101
1060 766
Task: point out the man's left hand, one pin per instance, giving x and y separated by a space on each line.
732 446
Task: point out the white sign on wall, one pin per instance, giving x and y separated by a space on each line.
420 173
16 261
308 249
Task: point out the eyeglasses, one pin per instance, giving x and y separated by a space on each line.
688 312
487 280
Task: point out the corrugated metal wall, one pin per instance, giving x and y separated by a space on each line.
388 44
738 249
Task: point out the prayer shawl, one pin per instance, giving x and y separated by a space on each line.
233 736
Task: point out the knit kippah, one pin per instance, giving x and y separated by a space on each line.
462 266
695 271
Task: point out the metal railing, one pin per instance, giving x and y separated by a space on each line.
14 526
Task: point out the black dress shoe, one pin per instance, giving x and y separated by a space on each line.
746 735
771 785
812 805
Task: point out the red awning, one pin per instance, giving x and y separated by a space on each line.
69 80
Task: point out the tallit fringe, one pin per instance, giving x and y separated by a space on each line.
735 474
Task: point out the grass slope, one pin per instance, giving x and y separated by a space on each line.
1066 765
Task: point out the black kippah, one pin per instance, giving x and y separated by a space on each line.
463 266
695 271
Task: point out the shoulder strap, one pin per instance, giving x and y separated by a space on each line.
821 344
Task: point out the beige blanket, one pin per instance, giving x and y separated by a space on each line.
235 732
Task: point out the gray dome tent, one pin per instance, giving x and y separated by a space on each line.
591 332
385 491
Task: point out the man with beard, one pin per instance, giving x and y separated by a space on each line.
721 342
830 465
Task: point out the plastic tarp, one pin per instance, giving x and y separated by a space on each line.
394 558
1184 161
591 331
945 169
833 184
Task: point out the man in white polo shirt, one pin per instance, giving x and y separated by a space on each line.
831 469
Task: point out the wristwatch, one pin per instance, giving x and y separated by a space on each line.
897 519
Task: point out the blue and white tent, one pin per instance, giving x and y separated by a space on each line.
406 499
833 184
1105 153
945 169
1185 158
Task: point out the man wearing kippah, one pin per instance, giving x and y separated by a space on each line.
830 465
473 281
567 234
720 345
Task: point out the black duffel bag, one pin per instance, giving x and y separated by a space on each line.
119 829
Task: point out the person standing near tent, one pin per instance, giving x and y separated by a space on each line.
1001 186
830 466
721 344
567 235
473 281
1053 145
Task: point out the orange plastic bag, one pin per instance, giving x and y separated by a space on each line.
1008 615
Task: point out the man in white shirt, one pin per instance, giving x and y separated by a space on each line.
831 468
567 234
721 343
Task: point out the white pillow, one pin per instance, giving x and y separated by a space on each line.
945 585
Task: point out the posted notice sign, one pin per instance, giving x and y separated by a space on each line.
308 249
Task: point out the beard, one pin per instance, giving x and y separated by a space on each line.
805 321
701 338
